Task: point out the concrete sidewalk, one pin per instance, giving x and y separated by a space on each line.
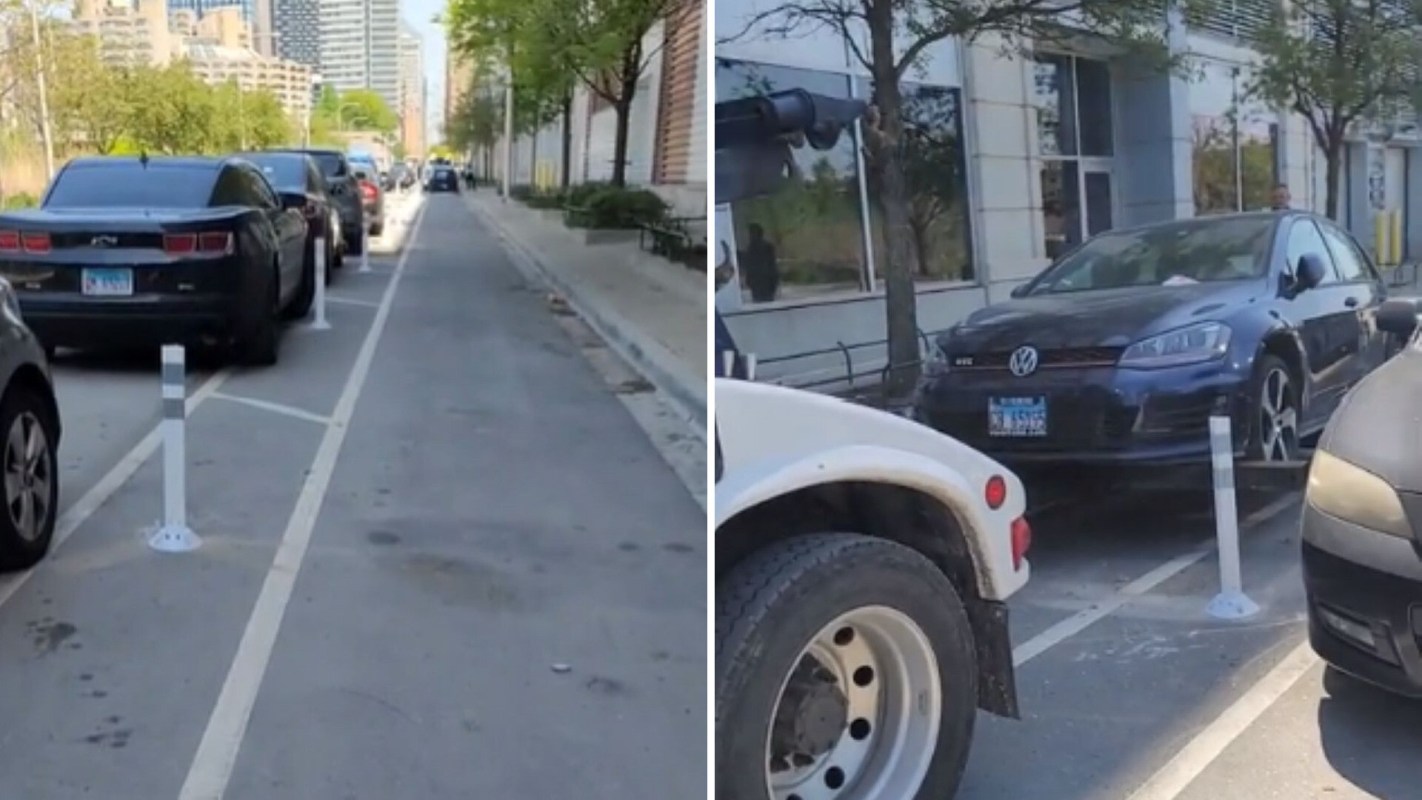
652 311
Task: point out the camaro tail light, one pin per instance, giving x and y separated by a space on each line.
187 244
1021 541
9 241
35 242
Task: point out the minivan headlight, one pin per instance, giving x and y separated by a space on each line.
1189 345
1349 492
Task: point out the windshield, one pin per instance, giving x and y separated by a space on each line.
1179 254
123 184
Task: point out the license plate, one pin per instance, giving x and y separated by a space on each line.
1017 416
116 282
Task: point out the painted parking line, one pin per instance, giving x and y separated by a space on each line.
275 408
1081 620
1191 760
212 765
352 301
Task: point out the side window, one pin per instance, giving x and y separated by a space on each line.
1304 238
229 190
1352 261
261 191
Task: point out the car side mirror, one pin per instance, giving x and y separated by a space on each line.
1398 317
1309 272
1020 290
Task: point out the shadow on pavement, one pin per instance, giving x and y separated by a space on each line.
1371 737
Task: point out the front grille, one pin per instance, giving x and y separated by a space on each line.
1063 358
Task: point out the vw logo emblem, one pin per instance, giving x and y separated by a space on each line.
1023 361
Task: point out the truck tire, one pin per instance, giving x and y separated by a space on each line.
808 616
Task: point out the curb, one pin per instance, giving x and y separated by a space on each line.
645 355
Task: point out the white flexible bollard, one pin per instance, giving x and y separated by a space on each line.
728 363
174 536
318 305
750 366
1231 603
364 249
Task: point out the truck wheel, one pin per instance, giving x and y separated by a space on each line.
845 669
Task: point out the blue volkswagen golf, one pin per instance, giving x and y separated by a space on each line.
1120 352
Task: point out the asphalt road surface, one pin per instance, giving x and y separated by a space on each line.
440 559
1130 691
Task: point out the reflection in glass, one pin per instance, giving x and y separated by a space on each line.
1098 203
1093 84
933 162
1228 177
1055 98
807 239
1061 207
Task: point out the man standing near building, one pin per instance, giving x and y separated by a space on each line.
1282 200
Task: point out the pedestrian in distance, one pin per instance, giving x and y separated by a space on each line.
1282 200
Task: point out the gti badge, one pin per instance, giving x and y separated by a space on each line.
103 241
1023 361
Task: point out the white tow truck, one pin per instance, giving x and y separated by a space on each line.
862 562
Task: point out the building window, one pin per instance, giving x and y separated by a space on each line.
1076 141
934 171
807 240
1234 145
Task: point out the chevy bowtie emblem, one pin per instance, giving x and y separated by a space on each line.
103 241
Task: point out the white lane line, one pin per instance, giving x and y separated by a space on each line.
351 301
212 765
1207 745
1085 618
275 408
91 501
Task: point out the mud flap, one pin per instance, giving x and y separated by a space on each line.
997 681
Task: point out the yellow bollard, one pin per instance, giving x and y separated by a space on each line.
1380 230
1396 251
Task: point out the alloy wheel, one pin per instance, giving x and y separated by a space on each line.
1278 417
29 476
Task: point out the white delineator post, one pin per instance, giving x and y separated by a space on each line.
364 249
319 322
174 536
728 363
1231 602
749 359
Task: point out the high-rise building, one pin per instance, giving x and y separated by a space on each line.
257 14
130 33
297 27
359 46
412 89
458 80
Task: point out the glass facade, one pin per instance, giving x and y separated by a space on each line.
808 241
1076 139
1234 142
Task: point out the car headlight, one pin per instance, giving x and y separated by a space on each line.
937 361
1349 492
1189 345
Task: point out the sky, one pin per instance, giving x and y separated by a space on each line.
421 14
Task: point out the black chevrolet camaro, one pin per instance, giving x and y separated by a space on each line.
146 251
1121 351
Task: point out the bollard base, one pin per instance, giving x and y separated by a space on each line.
319 325
174 539
1230 605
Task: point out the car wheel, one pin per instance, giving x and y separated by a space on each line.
31 489
301 303
332 262
355 245
263 339
844 665
377 229
1274 428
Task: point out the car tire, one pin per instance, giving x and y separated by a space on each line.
305 292
377 229
355 245
779 604
1268 442
262 342
24 412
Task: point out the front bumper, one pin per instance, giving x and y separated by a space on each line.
1364 593
1095 415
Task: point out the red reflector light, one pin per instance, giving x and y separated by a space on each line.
1021 541
35 242
995 493
367 190
9 240
186 244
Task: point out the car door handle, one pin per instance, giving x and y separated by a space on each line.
1351 302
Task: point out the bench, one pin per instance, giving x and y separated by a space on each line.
672 239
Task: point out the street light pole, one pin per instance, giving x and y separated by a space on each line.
508 134
46 133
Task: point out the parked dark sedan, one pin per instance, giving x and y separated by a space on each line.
139 250
30 430
298 180
1122 350
341 181
442 179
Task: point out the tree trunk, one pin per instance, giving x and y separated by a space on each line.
1333 157
533 160
900 302
567 140
623 109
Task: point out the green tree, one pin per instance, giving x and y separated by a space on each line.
1336 63
254 119
899 33
179 113
365 109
